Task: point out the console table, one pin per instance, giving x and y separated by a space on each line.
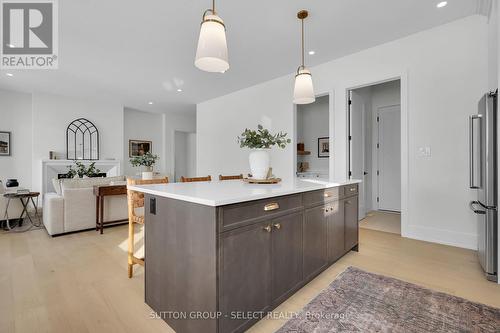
101 191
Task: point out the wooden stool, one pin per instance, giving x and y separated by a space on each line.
136 200
221 177
196 179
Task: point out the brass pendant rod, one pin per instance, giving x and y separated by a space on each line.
213 6
302 15
302 20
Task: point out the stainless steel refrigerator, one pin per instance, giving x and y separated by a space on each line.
483 179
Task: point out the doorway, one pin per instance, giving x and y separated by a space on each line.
375 153
184 154
313 141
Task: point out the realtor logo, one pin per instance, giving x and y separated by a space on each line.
29 34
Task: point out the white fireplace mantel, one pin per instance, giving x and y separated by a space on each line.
52 168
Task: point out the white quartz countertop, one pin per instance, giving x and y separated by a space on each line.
220 193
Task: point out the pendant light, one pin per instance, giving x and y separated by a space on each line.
303 92
211 54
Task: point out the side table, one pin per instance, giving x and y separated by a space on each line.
101 191
25 199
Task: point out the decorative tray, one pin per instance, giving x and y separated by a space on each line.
262 181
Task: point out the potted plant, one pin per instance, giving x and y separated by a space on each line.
82 171
146 160
260 142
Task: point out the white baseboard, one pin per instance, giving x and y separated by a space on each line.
440 236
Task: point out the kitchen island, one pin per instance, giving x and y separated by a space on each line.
220 255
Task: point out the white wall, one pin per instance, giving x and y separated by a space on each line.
386 94
148 126
185 154
160 129
493 43
175 122
191 154
15 117
312 123
38 124
444 74
53 113
220 121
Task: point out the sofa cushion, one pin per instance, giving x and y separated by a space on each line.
57 185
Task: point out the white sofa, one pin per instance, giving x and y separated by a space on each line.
15 206
73 206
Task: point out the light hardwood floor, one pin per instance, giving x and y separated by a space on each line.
78 282
382 221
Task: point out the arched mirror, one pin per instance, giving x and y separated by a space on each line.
82 140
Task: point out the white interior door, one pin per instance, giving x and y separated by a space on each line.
358 147
389 158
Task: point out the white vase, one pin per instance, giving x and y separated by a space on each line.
148 174
259 163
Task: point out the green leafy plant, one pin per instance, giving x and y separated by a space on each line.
262 138
147 160
80 170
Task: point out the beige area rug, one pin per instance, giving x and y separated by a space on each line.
358 301
382 221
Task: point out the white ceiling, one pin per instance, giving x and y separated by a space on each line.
133 52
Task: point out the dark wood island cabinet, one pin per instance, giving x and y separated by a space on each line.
222 268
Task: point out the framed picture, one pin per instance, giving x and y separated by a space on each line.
324 147
139 147
5 144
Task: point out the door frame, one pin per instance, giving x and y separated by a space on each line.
331 130
362 187
375 165
405 191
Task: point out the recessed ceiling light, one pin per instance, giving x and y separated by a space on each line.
442 4
179 90
150 103
9 74
312 52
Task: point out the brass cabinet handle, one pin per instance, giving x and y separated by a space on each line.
348 202
327 195
352 189
267 228
277 226
271 206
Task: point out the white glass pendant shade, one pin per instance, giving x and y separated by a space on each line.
211 55
303 92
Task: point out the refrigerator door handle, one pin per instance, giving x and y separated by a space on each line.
485 206
472 153
473 207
